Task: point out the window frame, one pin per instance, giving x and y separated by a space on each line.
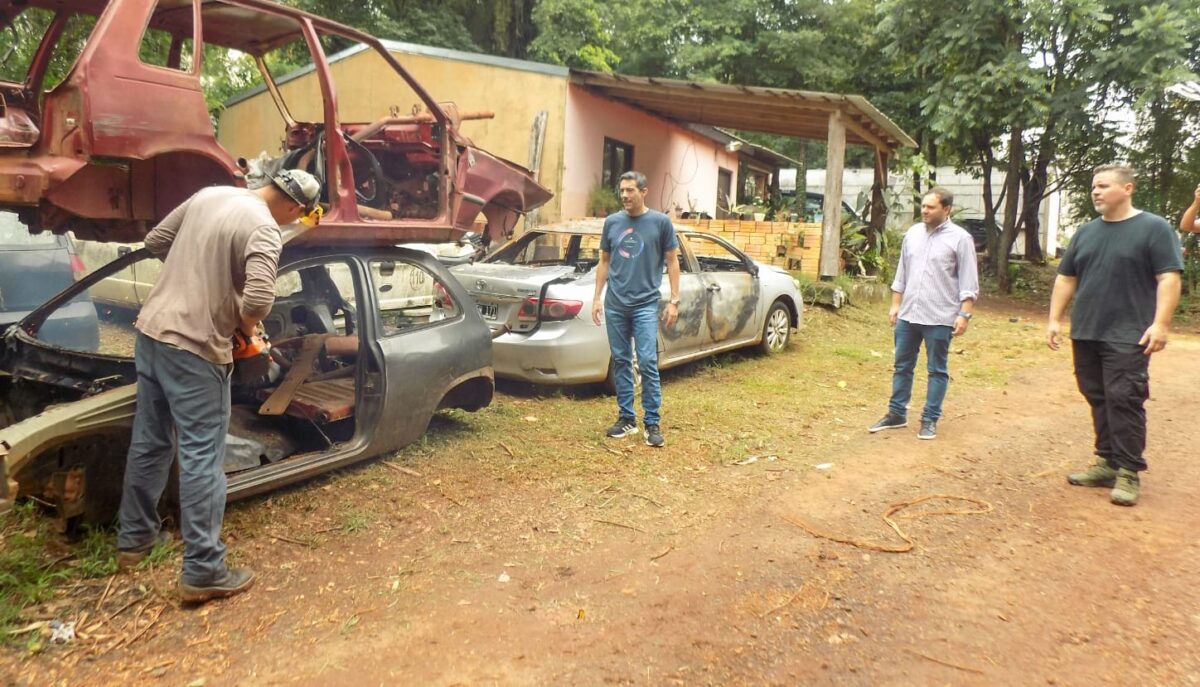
608 161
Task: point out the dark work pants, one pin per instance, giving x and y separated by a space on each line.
1115 380
183 394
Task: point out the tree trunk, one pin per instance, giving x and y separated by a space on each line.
987 162
1034 191
1012 184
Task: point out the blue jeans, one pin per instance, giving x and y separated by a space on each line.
178 393
937 352
641 325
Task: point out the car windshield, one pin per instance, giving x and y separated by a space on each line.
15 236
538 248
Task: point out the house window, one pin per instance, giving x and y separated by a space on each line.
724 185
618 159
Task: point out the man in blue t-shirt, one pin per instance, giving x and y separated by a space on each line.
634 246
1123 269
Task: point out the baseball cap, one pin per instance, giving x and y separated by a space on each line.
299 185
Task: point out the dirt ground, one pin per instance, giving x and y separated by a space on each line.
669 567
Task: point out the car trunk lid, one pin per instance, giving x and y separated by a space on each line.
499 290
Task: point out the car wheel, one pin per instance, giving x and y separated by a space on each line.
610 381
777 329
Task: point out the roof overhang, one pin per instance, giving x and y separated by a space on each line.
786 112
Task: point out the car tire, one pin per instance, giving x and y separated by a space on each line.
777 329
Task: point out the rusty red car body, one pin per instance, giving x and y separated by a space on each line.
119 142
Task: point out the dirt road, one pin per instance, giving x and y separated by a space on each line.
701 576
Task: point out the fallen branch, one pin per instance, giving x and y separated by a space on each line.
783 605
948 664
401 468
509 450
106 590
669 549
148 626
620 524
451 499
156 666
909 544
646 498
289 540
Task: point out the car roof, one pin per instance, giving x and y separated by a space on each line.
251 26
589 225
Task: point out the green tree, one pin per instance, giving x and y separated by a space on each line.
573 33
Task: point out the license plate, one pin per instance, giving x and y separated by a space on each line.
486 310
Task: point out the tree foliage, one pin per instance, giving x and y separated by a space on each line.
1041 89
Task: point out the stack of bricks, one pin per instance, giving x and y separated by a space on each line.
792 245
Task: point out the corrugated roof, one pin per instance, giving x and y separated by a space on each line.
787 112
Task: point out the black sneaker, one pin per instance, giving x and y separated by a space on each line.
654 436
928 429
623 428
232 581
889 421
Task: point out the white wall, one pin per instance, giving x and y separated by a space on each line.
968 198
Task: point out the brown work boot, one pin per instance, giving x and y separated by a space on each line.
232 581
1099 475
128 558
1128 486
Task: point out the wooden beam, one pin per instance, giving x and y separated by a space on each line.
831 223
858 128
878 204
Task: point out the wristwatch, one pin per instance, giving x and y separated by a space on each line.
674 301
965 315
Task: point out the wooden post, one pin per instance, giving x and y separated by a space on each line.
831 222
878 207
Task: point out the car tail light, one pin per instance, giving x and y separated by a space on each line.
441 295
78 269
553 310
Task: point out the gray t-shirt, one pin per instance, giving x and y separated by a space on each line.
1117 265
636 246
220 250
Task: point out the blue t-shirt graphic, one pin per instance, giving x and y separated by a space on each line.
636 246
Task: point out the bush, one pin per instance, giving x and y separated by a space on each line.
603 201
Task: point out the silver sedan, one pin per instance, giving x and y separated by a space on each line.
535 292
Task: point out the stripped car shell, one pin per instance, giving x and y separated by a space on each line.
535 292
119 142
372 368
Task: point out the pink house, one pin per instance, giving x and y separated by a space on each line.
580 130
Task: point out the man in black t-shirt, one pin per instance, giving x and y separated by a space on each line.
1123 269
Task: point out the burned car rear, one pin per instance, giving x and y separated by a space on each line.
367 344
105 126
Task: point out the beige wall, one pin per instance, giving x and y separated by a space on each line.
367 88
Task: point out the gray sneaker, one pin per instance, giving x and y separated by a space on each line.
928 429
622 428
232 581
889 421
654 436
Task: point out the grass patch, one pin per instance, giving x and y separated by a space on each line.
28 571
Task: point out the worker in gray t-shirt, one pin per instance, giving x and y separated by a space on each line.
1123 269
220 250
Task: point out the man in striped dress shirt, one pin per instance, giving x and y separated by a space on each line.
933 295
